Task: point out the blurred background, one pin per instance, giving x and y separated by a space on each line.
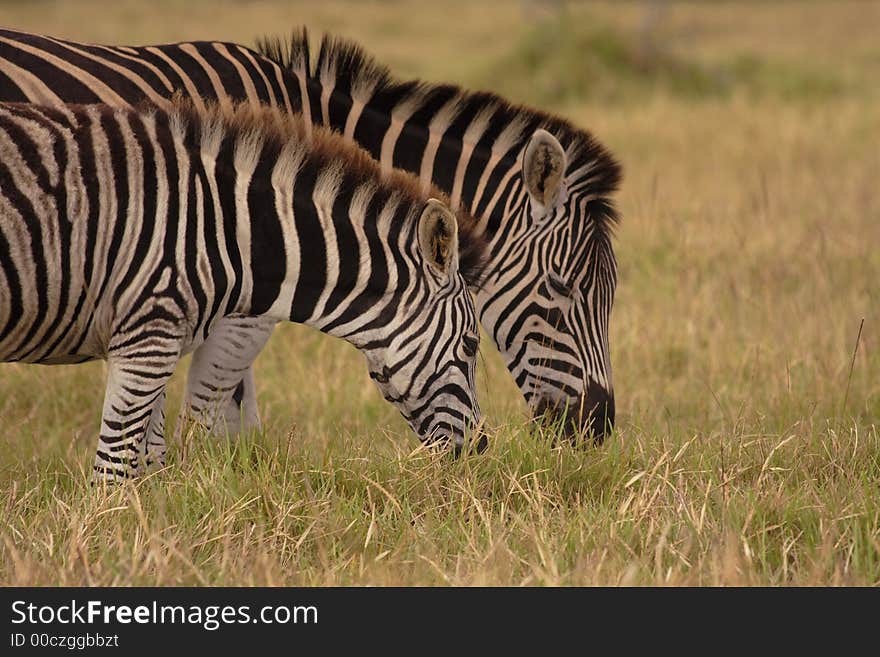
537 51
749 249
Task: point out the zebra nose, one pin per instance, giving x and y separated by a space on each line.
477 443
595 415
443 436
589 417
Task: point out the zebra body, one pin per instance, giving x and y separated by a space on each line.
131 235
538 187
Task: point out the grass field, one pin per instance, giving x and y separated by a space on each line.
748 441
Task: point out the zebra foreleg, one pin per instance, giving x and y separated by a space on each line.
155 438
220 390
135 386
243 408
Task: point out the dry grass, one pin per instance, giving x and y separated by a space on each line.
748 257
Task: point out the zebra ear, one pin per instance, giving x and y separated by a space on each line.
438 236
543 168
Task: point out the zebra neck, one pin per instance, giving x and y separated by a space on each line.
306 255
442 149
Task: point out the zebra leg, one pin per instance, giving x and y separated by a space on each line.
244 397
220 391
135 386
155 453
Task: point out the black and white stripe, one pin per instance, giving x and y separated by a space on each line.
539 190
550 276
130 235
48 71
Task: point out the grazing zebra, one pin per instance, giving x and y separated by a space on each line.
539 188
540 191
129 234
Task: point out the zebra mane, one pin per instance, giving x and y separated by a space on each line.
350 69
270 133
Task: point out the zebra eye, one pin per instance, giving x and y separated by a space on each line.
558 287
384 377
471 344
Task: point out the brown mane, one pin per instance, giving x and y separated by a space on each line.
359 74
281 134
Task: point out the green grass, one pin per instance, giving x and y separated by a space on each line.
748 257
709 509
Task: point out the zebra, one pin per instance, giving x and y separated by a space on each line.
539 188
129 234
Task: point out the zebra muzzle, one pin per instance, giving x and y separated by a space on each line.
587 419
444 436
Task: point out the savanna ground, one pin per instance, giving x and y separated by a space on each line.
747 449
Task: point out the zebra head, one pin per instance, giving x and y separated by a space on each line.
550 310
426 366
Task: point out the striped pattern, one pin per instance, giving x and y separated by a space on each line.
547 294
131 235
548 287
47 71
41 69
